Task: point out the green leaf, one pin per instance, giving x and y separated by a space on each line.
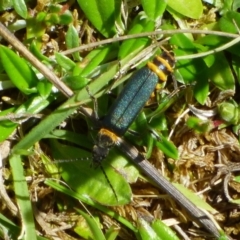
23 198
112 233
8 228
20 7
223 237
44 88
212 41
201 90
150 145
36 51
190 69
76 82
82 228
220 73
86 180
72 41
235 201
163 230
95 228
138 26
194 198
102 14
11 231
18 71
198 125
32 105
154 8
192 9
97 57
6 126
146 231
85 199
66 18
65 62
168 148
52 19
229 22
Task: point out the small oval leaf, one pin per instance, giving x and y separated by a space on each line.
72 41
220 73
20 7
18 71
192 9
101 13
154 8
163 230
168 148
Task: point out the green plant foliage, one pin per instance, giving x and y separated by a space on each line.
192 9
195 110
72 40
164 231
139 25
18 70
20 7
153 8
97 187
102 14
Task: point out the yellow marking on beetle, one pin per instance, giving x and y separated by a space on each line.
165 63
162 76
113 136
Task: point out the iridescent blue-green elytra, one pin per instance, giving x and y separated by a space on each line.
136 93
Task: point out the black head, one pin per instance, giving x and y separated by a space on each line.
102 147
99 154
